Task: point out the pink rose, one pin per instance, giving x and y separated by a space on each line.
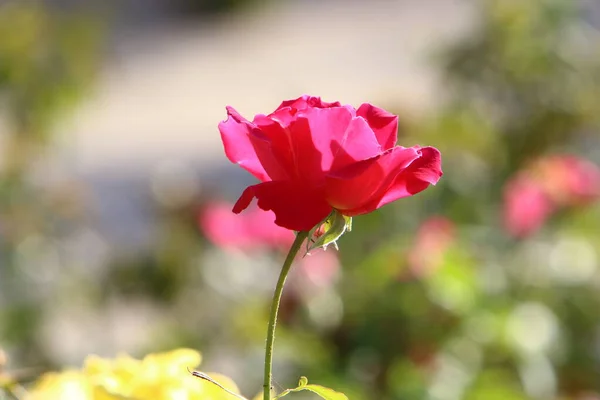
569 180
526 207
256 229
546 186
313 157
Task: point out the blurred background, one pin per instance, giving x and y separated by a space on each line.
115 230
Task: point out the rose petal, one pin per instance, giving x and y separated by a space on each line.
367 181
295 207
239 149
358 143
312 134
424 171
383 123
287 110
428 167
272 145
330 138
306 101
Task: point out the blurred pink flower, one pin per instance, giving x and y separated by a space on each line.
526 206
320 267
434 237
254 229
569 180
546 186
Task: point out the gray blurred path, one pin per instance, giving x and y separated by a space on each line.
164 92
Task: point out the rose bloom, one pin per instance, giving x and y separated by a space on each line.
313 157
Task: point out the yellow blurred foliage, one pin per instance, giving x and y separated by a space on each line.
160 376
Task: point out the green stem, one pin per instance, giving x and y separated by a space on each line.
285 269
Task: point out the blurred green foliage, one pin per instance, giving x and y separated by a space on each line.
471 314
47 60
204 7
499 318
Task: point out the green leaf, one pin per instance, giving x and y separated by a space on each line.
322 391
